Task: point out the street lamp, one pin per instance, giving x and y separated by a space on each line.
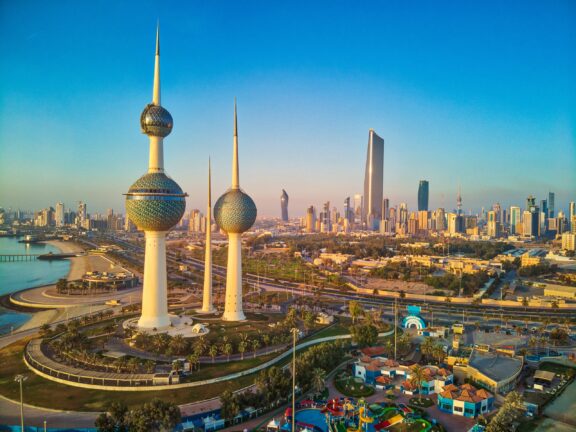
294 332
21 378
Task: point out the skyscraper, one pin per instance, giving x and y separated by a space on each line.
348 213
373 180
515 219
572 213
551 205
423 195
310 219
81 213
284 205
155 203
207 306
59 217
235 213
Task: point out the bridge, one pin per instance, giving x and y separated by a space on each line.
18 257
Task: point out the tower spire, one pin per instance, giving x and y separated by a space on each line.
235 169
156 90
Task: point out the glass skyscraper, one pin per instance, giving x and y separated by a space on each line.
374 180
423 195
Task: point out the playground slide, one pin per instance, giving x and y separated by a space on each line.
362 419
390 422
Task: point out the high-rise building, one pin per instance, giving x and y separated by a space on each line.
207 305
155 203
284 205
530 202
423 195
440 220
572 213
385 208
514 219
81 214
530 223
497 208
551 204
423 222
59 216
373 180
310 219
358 209
348 212
569 241
235 212
492 224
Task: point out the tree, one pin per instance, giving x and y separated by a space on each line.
154 416
318 379
364 334
511 411
45 329
427 347
355 310
114 420
255 345
227 349
177 344
229 405
417 377
242 349
193 360
213 351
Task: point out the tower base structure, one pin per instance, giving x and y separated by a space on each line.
233 305
155 291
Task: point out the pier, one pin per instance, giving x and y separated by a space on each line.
18 257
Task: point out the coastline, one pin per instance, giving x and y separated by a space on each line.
78 266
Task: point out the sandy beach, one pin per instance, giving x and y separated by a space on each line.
78 265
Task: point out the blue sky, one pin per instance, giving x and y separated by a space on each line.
477 93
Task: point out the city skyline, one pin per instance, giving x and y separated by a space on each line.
450 128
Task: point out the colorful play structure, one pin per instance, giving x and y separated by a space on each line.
346 415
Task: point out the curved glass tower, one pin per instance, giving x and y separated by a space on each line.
284 205
155 203
423 195
235 212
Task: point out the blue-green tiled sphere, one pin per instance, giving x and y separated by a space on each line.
155 202
235 212
156 121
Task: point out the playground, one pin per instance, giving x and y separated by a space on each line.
347 415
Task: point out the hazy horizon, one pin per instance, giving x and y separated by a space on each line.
480 95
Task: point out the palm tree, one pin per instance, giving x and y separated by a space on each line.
133 365
427 347
200 345
255 345
318 379
213 351
227 349
418 376
193 359
242 348
178 344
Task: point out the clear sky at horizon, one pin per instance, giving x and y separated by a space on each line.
477 93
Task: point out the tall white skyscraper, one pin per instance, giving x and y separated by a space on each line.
374 180
59 215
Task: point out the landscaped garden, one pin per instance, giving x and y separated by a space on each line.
421 402
353 387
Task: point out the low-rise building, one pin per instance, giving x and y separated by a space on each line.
466 400
493 371
553 290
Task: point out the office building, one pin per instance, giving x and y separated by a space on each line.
551 213
423 195
515 219
373 180
59 215
284 205
310 219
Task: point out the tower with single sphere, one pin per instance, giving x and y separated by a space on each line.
235 213
155 203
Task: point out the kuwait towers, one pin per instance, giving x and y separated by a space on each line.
155 203
235 213
207 306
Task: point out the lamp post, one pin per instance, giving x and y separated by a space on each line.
294 334
21 378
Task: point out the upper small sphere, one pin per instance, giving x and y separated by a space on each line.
235 211
156 121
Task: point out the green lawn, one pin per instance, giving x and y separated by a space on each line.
40 392
348 386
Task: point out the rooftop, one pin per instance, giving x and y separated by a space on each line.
495 366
